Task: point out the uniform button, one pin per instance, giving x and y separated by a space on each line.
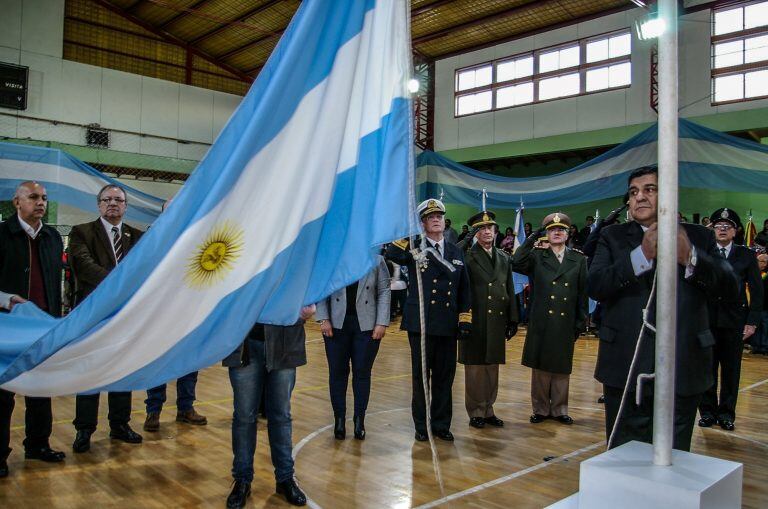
366 288
434 291
551 296
489 297
565 298
423 270
566 284
489 311
432 302
449 283
551 312
554 282
434 280
501 312
490 284
366 302
562 314
449 292
447 304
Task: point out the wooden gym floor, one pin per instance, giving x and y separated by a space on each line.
186 466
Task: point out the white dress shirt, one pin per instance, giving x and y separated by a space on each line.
641 264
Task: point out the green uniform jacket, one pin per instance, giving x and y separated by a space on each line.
493 306
559 305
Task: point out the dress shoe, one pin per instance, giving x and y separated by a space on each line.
564 419
291 491
726 424
339 428
239 494
3 469
706 421
359 422
494 421
125 433
537 418
444 435
192 417
44 454
152 422
601 399
420 437
477 422
82 441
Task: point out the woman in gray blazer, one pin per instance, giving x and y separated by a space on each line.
353 320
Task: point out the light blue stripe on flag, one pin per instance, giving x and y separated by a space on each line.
307 179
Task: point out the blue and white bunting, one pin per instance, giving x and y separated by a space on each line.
309 177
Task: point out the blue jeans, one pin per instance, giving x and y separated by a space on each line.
185 394
247 384
349 344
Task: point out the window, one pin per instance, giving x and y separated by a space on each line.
740 52
581 67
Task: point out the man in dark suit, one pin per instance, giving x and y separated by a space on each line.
447 313
558 315
494 318
620 277
30 269
95 249
732 322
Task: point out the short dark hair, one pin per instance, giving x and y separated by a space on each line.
111 186
651 169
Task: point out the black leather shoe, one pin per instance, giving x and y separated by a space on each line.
444 435
564 419
420 437
726 424
239 494
339 428
359 422
477 422
291 491
44 454
82 441
125 433
3 469
494 421
706 421
537 418
601 399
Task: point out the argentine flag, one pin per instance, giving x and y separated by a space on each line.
313 172
519 280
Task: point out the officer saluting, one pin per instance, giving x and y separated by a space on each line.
731 321
447 313
559 308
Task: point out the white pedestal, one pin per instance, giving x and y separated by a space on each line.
626 477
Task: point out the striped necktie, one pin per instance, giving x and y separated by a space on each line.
117 243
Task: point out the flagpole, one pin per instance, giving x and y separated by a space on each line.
666 302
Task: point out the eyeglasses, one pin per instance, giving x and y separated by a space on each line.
723 227
109 200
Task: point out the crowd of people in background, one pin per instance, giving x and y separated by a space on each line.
461 285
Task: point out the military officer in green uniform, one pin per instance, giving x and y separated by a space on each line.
559 308
494 318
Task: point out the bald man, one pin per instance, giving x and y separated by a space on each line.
30 269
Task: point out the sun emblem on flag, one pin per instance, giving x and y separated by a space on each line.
215 257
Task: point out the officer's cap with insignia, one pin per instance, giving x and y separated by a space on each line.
483 218
556 220
725 215
430 206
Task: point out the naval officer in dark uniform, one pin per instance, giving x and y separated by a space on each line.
559 308
447 313
732 321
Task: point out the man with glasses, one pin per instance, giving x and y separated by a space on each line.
95 249
558 315
732 321
30 269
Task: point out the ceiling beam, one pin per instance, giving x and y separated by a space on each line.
240 19
426 8
184 12
484 20
247 45
533 32
173 39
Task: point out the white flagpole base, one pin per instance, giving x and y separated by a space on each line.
626 477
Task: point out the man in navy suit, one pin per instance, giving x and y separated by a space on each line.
447 313
732 321
620 278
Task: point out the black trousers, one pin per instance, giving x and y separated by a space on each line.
441 369
636 422
726 367
38 422
87 410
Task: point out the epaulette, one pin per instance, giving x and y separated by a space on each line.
577 250
402 244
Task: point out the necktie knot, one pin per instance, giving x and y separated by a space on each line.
722 252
